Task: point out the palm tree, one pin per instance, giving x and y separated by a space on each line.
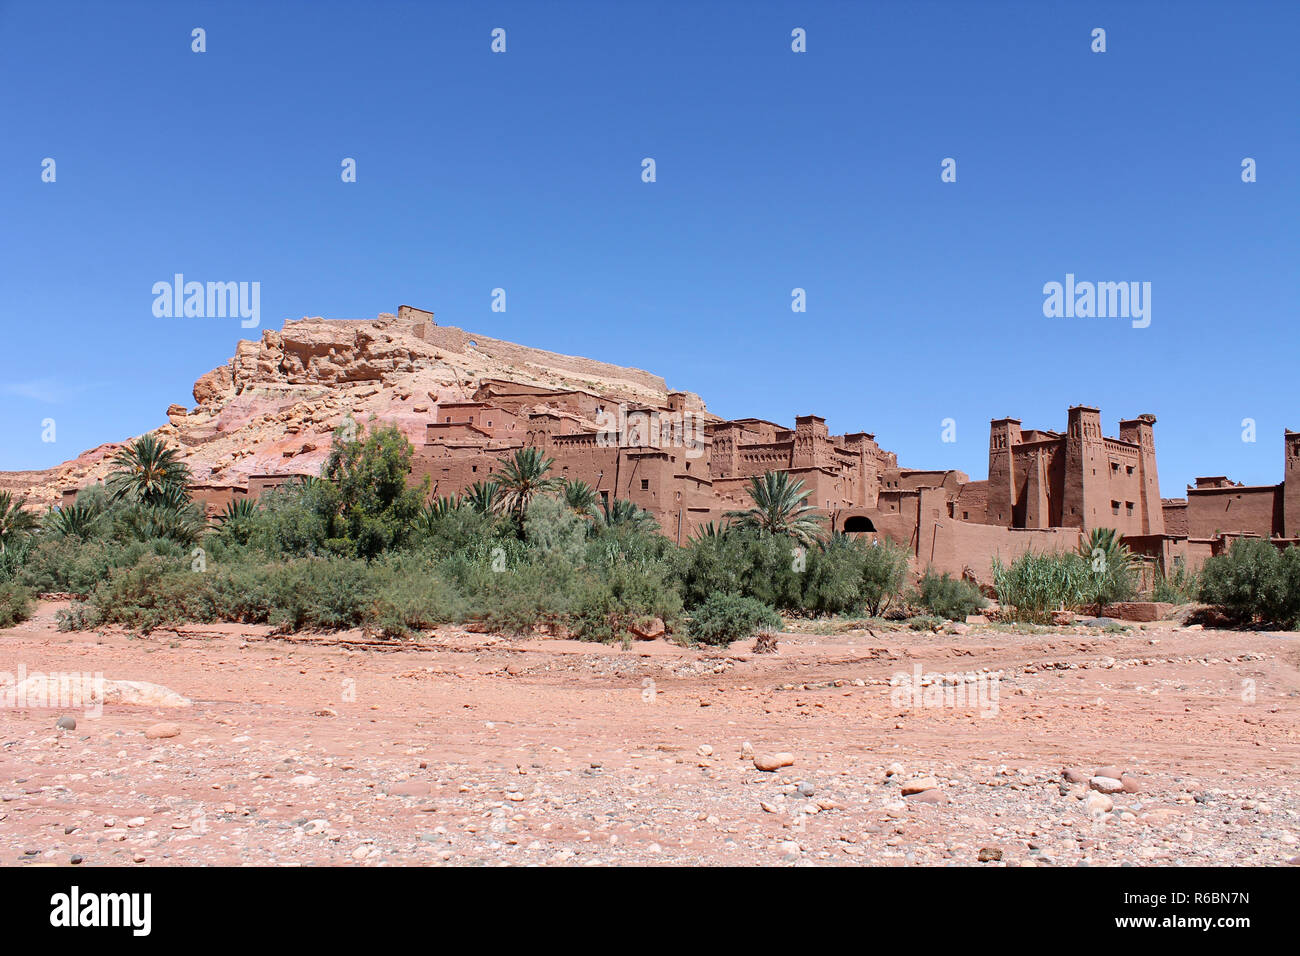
73 521
241 510
580 497
521 477
148 472
483 497
434 511
184 523
1109 575
15 523
711 531
780 508
623 513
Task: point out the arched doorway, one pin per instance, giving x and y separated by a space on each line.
858 524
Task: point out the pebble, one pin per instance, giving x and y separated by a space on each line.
161 731
928 796
1106 784
1098 804
66 723
920 785
771 762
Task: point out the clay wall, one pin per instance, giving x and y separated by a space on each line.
1237 509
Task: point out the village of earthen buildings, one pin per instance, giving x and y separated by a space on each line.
688 467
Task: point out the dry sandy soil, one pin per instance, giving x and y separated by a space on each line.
464 748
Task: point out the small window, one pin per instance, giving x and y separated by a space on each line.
1129 506
645 484
473 467
1114 507
965 515
1130 469
1114 466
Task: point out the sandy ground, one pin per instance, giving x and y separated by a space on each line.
464 748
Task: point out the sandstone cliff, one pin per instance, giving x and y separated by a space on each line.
273 407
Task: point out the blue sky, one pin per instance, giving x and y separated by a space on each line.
775 170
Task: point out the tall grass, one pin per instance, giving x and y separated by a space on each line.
1034 585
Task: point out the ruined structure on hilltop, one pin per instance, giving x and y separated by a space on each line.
465 401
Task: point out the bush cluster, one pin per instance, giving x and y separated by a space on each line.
1254 582
724 618
15 604
949 597
359 548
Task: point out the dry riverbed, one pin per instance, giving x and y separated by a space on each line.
460 748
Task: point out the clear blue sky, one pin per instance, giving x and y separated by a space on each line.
775 170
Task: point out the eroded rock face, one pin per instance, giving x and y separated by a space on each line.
272 408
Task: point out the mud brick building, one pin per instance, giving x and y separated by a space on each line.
466 401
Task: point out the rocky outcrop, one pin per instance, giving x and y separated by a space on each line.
271 409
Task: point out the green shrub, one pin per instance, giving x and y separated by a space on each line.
318 593
326 593
554 529
367 504
724 618
521 596
764 566
15 604
949 597
459 530
884 569
832 582
151 593
406 601
1034 585
1254 582
1181 587
79 616
66 564
608 604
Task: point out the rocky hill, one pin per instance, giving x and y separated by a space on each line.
273 407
